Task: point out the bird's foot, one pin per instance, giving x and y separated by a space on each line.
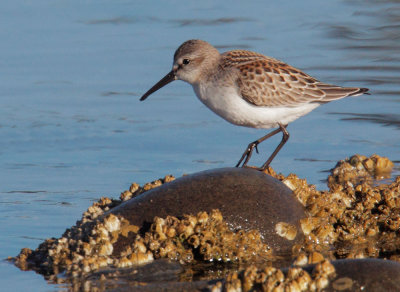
247 154
252 167
268 170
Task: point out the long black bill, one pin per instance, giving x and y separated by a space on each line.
167 79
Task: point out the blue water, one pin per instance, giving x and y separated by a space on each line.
72 128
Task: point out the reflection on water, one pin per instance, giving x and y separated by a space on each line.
110 93
179 22
204 161
72 128
210 22
115 20
25 192
377 68
314 160
383 119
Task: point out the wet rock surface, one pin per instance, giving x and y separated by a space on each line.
247 198
340 275
365 274
112 248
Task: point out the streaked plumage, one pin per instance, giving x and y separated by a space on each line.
250 89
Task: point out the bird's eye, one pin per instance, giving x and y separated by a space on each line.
185 61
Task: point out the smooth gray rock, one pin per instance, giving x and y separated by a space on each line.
247 198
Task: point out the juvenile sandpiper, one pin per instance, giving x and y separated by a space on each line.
249 89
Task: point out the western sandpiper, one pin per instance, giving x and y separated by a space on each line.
249 89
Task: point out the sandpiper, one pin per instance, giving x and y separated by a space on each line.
249 89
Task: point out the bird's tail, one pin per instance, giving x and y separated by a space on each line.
360 91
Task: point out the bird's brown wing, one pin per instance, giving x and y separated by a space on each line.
265 81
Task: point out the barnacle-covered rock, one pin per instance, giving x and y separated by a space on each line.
359 168
339 275
270 279
202 237
357 218
247 198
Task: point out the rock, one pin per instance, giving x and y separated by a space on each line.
160 275
366 275
247 198
341 275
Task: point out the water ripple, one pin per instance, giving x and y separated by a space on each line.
383 119
209 22
114 20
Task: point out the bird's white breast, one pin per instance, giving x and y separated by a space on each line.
226 102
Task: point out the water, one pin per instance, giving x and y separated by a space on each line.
72 128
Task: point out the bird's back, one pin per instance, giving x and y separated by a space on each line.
265 81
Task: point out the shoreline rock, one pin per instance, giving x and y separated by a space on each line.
355 218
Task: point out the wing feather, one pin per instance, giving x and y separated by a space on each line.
264 81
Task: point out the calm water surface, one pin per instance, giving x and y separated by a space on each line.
72 128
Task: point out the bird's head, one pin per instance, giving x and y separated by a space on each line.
192 62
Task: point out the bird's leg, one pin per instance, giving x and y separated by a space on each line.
249 150
285 137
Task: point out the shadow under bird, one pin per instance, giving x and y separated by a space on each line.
249 89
